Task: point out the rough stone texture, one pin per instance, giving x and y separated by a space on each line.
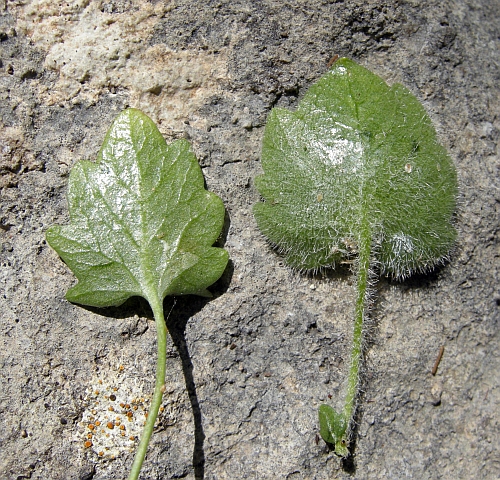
246 370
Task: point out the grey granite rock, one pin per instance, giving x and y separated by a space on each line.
247 369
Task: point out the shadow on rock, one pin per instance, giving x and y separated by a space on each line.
185 308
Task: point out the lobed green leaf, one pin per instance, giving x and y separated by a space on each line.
142 223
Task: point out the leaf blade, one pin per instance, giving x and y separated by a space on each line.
356 145
139 207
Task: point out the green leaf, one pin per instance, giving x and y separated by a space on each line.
355 149
142 223
356 173
332 427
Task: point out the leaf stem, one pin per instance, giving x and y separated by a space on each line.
161 331
357 337
335 428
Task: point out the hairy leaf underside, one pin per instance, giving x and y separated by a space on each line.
357 157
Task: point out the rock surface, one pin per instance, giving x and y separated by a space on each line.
247 369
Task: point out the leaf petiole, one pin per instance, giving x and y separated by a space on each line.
336 428
161 331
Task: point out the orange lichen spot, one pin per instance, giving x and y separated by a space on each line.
111 409
146 414
110 425
121 368
91 426
122 427
135 407
99 382
94 412
96 393
122 434
162 408
115 389
87 444
97 423
127 406
131 438
101 453
122 405
89 435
